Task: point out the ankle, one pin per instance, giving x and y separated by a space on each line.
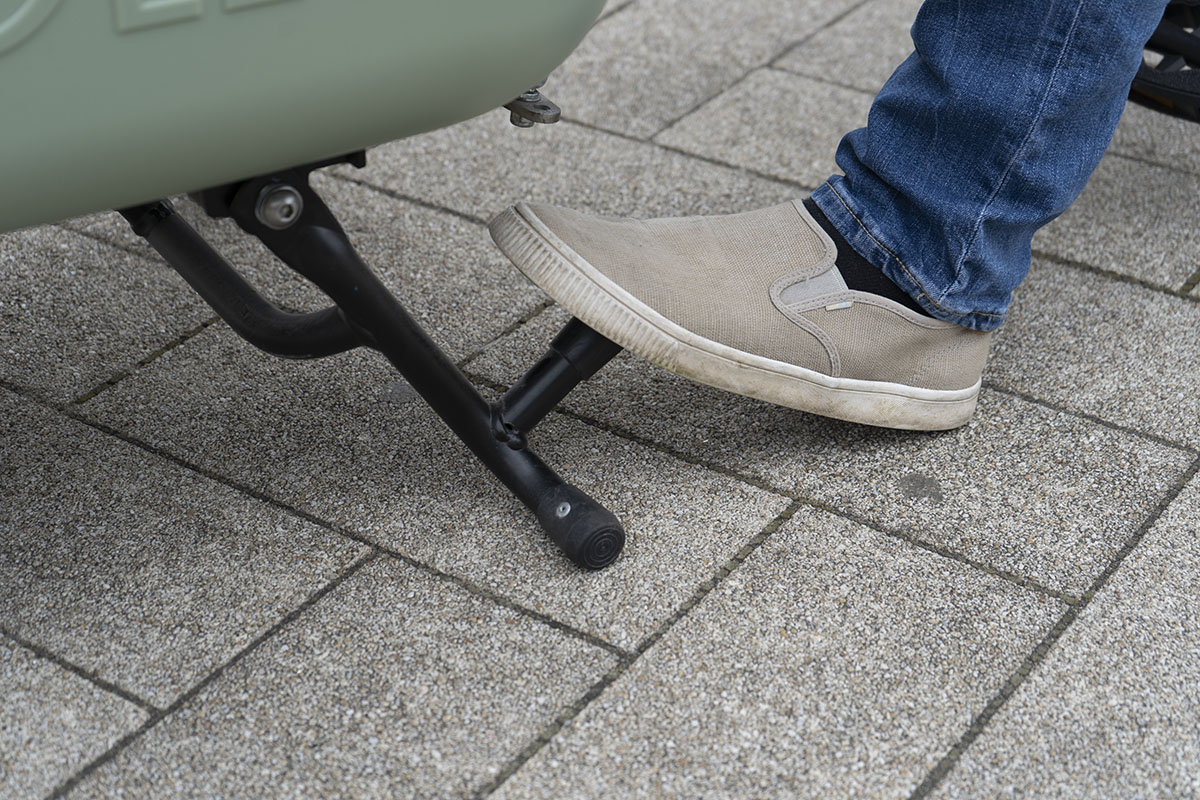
861 275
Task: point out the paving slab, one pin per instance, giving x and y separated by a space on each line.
837 53
396 684
650 64
1132 359
52 722
483 166
1005 490
134 568
776 123
218 403
1167 140
74 311
1112 711
1128 221
340 440
836 662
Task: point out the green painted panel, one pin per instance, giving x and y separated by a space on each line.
106 103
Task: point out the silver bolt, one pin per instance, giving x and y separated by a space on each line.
562 510
279 206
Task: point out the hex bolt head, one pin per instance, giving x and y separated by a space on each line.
279 206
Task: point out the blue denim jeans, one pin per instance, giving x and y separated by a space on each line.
986 133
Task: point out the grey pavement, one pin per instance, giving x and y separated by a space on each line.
228 575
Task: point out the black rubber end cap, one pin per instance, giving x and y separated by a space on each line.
589 534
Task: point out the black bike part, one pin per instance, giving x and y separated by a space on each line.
575 355
216 200
587 532
1172 86
314 245
291 335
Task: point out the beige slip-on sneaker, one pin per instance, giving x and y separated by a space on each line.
751 303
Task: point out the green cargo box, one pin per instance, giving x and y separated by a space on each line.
107 103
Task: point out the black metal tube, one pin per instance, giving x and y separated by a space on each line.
317 248
291 335
1171 38
319 251
575 355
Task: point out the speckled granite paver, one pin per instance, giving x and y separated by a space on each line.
1147 134
835 663
341 449
775 123
1132 359
131 567
74 312
483 166
655 61
396 684
861 49
52 722
1113 710
1002 490
1129 220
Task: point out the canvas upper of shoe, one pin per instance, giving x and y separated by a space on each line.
764 282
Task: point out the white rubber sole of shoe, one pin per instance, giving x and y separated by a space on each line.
607 308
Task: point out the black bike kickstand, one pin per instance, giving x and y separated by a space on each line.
283 211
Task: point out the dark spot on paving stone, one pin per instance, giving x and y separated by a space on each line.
399 393
920 486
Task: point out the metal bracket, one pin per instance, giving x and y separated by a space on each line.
533 108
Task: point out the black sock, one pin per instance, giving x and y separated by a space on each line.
860 274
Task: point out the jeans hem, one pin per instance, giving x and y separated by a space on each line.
851 226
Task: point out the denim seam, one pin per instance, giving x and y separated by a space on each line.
1037 117
925 294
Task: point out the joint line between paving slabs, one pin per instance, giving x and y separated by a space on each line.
1018 580
1116 276
770 62
1120 152
650 443
346 533
951 555
493 597
510 329
95 237
88 675
716 162
407 198
187 696
1035 658
806 39
1011 577
1153 437
783 70
145 361
547 734
702 103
